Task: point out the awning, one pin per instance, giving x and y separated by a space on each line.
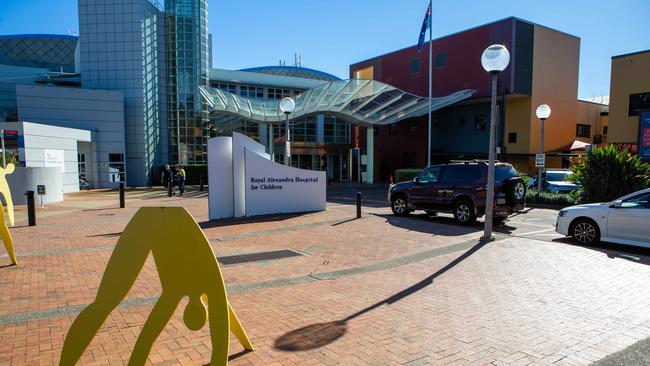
363 102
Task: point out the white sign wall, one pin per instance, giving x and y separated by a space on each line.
275 188
243 181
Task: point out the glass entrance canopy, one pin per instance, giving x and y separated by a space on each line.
363 102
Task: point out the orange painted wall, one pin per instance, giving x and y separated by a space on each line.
630 75
556 57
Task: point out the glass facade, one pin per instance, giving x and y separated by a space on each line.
52 52
186 34
121 48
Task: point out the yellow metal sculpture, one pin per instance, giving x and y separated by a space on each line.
6 194
186 266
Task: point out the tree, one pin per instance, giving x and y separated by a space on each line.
608 173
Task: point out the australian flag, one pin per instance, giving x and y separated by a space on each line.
425 25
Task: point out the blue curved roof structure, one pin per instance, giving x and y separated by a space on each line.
54 52
363 102
295 71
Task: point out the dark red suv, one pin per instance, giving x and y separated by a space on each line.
460 189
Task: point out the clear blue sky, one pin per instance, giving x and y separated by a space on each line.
332 34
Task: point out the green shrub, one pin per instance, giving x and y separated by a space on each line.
403 175
608 173
193 174
555 199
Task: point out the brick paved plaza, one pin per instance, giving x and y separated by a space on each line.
379 290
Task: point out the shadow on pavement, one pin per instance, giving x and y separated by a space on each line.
420 223
107 235
250 220
614 251
234 356
321 334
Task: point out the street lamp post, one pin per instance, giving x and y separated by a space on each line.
542 112
287 105
494 60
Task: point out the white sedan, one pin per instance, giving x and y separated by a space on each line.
623 221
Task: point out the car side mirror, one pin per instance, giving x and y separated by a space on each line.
416 180
617 204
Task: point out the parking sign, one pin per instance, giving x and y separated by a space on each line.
539 160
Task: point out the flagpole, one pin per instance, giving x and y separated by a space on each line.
430 77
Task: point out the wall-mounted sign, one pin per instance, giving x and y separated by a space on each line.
11 134
644 135
54 158
40 189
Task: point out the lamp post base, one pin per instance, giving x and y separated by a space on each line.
485 239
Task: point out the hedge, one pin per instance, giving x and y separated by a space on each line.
555 199
403 175
193 174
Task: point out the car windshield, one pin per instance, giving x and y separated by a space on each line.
557 176
503 173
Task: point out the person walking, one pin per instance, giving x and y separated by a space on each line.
168 179
181 179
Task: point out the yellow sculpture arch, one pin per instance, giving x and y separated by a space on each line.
186 266
6 194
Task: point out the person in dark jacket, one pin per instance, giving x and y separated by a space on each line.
168 179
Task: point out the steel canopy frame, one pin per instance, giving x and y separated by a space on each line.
362 102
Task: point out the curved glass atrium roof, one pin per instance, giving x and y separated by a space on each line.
364 102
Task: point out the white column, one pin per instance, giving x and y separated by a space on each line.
370 147
271 142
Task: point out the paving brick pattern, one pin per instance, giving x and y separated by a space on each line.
516 301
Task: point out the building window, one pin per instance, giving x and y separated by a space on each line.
583 130
415 66
605 130
480 122
441 59
251 92
248 128
81 159
392 128
512 138
278 93
337 131
409 159
227 88
366 73
116 167
413 126
598 139
304 129
639 102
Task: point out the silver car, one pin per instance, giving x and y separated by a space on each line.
623 221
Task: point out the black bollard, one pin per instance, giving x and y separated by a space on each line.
31 208
121 195
201 183
358 205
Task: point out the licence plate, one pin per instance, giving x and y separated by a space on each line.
501 201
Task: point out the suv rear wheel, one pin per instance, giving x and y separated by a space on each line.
464 212
399 206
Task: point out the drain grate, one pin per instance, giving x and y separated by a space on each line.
257 257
